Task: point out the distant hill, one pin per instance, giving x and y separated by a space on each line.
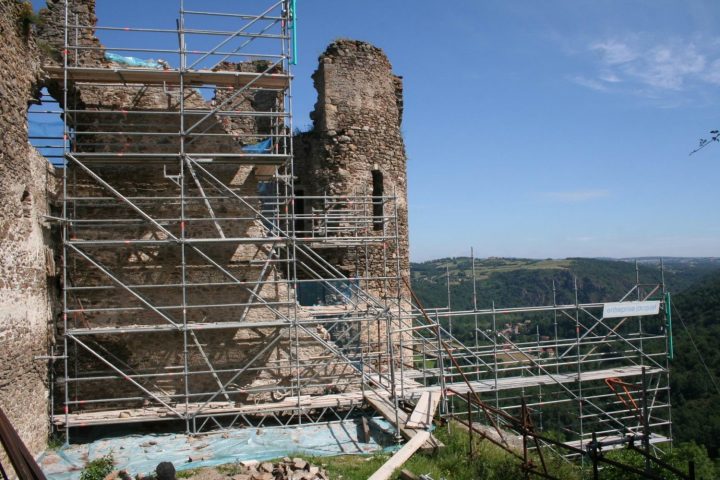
695 397
694 282
511 282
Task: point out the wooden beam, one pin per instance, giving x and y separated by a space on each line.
22 461
150 76
401 456
408 475
365 430
265 170
385 408
424 412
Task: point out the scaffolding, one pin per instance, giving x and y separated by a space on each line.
580 372
186 256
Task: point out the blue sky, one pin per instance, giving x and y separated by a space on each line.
535 129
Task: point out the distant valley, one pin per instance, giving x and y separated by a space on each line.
694 283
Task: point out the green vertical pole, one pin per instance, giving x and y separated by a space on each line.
293 26
668 325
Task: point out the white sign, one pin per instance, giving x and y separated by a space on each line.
631 309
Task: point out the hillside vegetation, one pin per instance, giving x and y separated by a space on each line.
512 282
489 462
695 284
695 394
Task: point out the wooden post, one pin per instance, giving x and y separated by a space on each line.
523 417
645 422
594 456
365 430
470 422
22 461
2 472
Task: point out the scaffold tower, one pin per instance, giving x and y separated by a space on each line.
187 262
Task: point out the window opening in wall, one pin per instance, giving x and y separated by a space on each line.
318 293
26 201
300 220
45 128
269 205
377 193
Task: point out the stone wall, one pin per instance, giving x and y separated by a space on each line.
250 129
356 136
51 35
153 110
27 272
355 142
139 120
356 131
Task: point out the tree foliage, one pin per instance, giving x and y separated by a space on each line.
704 142
695 395
520 282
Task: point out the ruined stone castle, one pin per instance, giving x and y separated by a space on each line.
120 302
189 259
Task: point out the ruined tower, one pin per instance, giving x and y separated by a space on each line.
181 265
192 220
170 283
27 271
356 148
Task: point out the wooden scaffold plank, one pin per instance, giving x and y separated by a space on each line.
401 456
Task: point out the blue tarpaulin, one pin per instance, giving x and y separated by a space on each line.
132 61
260 147
141 453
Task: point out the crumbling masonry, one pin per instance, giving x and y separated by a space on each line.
27 272
128 284
193 261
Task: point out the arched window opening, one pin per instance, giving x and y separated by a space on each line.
300 218
26 201
46 128
377 193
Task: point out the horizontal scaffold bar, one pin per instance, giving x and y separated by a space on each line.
171 241
149 76
341 400
122 158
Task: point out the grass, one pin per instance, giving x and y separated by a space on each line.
55 441
98 469
187 473
231 468
488 463
453 462
27 17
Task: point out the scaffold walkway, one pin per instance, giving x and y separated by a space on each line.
186 257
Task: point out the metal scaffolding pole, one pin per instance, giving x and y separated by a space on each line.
167 233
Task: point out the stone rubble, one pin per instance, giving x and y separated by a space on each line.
285 469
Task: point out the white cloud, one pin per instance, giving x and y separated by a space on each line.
614 52
639 63
576 196
712 73
610 78
589 83
668 67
